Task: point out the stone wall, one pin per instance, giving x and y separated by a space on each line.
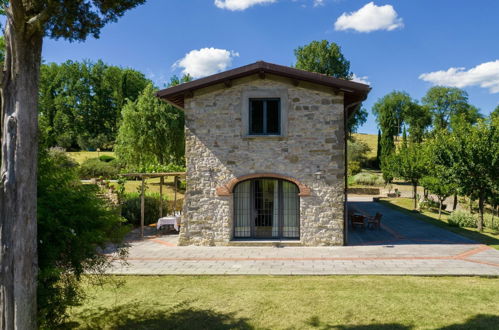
218 150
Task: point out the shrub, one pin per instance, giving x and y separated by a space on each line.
94 168
462 219
429 203
106 158
130 209
155 168
353 168
368 179
73 222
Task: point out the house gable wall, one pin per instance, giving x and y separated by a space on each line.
218 152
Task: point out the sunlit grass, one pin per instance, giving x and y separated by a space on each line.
81 156
301 302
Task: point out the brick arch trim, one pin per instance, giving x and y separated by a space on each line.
227 189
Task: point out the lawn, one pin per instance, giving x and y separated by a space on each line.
81 156
488 236
371 140
301 302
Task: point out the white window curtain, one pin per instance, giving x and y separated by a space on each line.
243 209
275 211
291 210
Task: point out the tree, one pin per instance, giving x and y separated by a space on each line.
440 187
323 57
444 103
356 120
418 118
409 163
389 112
80 103
72 222
152 132
28 21
471 154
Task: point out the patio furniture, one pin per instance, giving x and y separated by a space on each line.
374 222
357 220
173 221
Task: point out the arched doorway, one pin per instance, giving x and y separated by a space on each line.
266 208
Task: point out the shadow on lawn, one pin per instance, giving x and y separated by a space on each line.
477 322
143 316
474 235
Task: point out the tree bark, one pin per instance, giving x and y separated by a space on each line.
454 204
415 187
481 199
18 227
439 208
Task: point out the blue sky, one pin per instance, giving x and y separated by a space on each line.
389 43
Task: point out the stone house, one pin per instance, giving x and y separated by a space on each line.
265 155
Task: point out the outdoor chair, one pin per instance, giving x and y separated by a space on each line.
357 221
374 222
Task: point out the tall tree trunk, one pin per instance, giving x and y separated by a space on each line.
440 208
480 208
454 203
415 195
18 227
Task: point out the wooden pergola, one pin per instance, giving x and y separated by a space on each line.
161 176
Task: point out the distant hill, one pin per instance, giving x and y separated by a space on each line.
371 140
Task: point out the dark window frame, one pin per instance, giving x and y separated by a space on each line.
280 213
265 117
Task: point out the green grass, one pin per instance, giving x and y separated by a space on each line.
488 236
81 156
371 140
298 302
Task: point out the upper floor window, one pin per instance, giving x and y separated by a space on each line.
265 116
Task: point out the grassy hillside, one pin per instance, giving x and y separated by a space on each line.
371 140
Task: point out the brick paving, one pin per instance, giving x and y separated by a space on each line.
414 248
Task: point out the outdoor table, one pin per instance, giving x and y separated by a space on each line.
171 220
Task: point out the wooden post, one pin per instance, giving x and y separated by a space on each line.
174 194
161 180
142 207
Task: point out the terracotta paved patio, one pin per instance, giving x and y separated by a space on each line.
405 246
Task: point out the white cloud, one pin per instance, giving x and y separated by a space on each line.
485 75
205 61
362 80
370 18
318 3
240 4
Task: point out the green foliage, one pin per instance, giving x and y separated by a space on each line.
438 185
470 153
95 168
356 120
367 179
357 151
75 19
155 168
448 104
73 222
462 219
323 57
130 208
353 167
80 102
390 111
106 158
152 132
